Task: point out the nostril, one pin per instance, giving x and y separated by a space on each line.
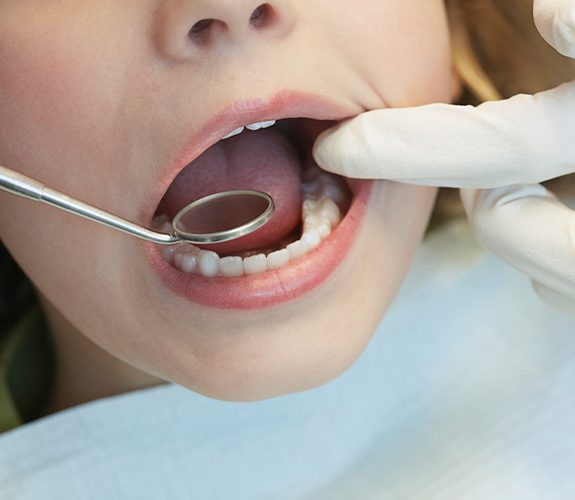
261 16
201 32
201 26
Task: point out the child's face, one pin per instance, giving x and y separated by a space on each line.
97 98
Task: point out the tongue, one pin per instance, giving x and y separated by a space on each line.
262 160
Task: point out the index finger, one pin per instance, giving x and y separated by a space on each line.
526 139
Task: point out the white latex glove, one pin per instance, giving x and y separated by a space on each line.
506 145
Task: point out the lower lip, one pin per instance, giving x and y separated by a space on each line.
274 287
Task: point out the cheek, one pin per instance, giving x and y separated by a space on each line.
42 74
60 95
405 51
46 65
44 88
60 106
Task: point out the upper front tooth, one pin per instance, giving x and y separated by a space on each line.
258 125
236 131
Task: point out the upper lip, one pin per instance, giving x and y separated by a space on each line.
285 104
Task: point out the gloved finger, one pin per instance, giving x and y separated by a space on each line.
522 140
528 227
555 20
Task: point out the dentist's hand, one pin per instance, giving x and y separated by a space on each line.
499 149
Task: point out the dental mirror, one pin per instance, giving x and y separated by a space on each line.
215 218
223 216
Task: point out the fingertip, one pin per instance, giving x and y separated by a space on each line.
319 148
325 148
555 21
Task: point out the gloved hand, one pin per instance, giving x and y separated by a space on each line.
506 145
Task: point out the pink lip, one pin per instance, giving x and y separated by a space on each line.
298 277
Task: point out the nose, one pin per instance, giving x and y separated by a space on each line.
188 25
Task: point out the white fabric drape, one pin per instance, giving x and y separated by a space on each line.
466 391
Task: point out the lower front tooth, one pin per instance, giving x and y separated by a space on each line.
188 262
297 249
231 266
208 263
256 264
278 259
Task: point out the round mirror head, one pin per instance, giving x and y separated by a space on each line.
223 216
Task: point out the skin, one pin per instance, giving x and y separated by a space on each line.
95 96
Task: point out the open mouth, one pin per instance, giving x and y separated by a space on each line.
274 157
308 235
